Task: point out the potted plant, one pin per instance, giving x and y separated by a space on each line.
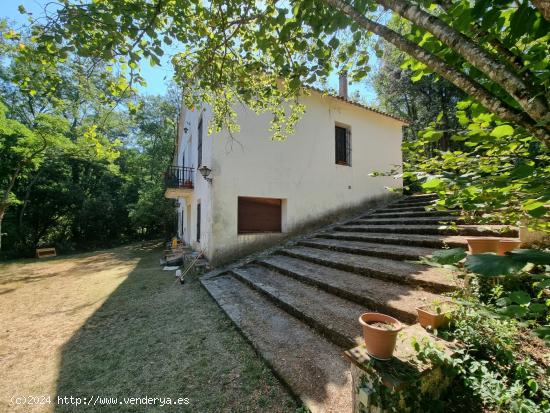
508 244
435 315
380 333
478 245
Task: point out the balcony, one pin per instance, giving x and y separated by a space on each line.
179 182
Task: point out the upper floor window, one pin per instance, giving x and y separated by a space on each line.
342 145
199 144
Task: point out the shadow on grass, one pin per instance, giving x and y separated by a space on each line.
153 337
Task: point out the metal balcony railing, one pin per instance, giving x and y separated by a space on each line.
179 177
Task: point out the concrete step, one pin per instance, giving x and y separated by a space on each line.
385 213
307 363
423 196
404 209
431 278
395 252
374 220
398 300
465 230
333 317
407 203
434 241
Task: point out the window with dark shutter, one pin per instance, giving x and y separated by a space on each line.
342 145
256 215
199 144
198 222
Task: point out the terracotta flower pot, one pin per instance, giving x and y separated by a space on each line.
482 244
380 333
508 244
435 316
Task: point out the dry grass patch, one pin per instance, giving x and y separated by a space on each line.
112 324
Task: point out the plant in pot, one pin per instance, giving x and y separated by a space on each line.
436 315
380 333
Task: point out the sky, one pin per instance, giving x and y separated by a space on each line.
157 77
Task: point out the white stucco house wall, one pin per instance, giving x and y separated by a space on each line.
260 191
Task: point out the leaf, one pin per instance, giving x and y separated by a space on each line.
524 256
502 130
432 183
523 170
535 207
503 302
513 311
334 42
417 76
464 104
520 297
492 265
542 332
538 308
450 256
545 283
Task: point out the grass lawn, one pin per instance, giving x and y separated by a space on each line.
112 324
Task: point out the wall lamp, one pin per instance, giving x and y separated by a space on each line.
205 172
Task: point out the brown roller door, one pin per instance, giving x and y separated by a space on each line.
259 215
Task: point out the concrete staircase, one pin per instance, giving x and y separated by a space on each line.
299 306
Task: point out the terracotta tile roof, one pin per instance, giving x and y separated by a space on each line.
351 102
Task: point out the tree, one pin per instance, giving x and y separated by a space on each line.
495 52
154 133
22 150
420 101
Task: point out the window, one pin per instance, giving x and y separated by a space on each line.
198 222
256 215
199 144
343 145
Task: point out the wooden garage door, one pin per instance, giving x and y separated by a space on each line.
259 215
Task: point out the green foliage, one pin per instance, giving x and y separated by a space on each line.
523 279
497 177
514 286
83 173
492 265
448 256
491 364
261 53
419 101
530 255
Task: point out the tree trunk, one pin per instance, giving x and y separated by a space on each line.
544 7
460 80
1 219
500 51
26 199
4 202
495 70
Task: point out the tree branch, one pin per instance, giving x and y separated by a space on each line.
495 70
500 51
544 7
474 89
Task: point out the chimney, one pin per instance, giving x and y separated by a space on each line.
343 85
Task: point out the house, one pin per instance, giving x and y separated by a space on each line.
259 191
